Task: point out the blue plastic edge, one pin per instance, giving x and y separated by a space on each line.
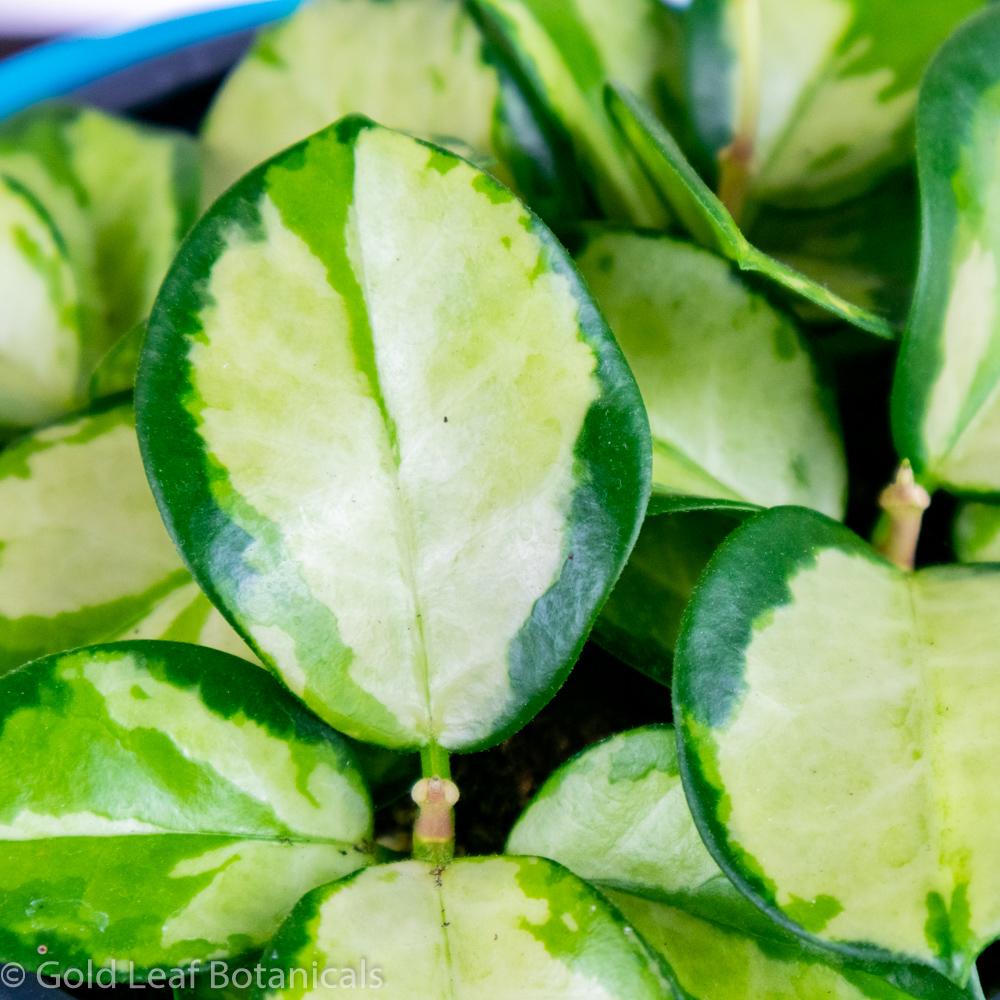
57 68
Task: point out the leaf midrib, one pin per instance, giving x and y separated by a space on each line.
408 543
445 937
927 697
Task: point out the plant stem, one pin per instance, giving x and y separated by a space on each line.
434 762
436 795
735 159
904 503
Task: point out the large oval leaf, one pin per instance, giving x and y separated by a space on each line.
84 557
709 222
735 405
393 436
39 321
946 400
418 65
183 773
121 197
480 928
819 97
640 620
837 723
568 51
616 816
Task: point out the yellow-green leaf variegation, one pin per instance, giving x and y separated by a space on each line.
616 816
162 805
84 556
117 198
836 717
479 929
393 436
946 397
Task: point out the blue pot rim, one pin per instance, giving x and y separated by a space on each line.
56 69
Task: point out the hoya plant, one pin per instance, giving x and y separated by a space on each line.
468 339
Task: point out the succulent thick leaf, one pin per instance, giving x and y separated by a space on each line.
616 816
639 623
708 221
39 318
735 405
946 400
864 250
479 929
84 556
837 724
422 66
568 51
393 436
818 97
977 533
121 196
162 804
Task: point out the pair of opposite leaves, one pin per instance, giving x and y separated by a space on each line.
110 691
119 691
413 517
267 225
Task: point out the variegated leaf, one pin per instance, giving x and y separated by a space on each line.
708 221
39 315
120 195
946 399
418 65
813 100
84 556
568 51
161 805
478 929
977 533
639 623
838 733
616 816
393 436
736 407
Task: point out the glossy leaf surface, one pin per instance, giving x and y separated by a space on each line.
120 196
84 556
161 804
708 221
616 816
422 66
39 321
819 95
393 436
482 928
836 723
946 399
568 51
735 404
